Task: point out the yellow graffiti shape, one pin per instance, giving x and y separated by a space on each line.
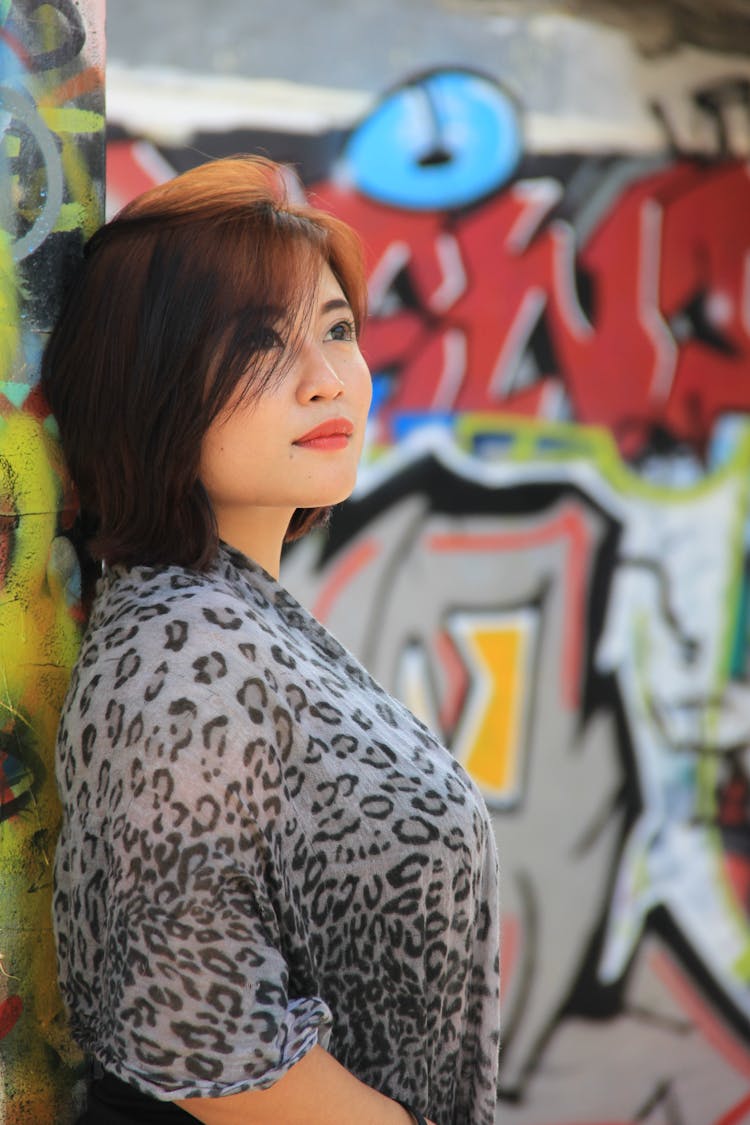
9 320
39 634
496 649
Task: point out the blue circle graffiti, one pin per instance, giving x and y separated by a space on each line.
438 142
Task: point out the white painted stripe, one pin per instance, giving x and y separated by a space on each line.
169 106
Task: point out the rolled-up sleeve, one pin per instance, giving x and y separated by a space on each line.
197 994
183 916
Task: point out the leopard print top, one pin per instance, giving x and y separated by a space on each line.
260 851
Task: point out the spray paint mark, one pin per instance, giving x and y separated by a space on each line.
10 1011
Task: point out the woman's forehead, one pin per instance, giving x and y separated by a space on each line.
328 285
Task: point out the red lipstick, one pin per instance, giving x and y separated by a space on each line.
330 435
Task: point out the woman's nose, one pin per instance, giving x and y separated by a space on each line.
319 378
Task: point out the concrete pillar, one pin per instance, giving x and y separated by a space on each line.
51 200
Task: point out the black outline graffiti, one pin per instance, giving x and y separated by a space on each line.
71 47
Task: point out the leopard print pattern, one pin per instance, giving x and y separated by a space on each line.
261 850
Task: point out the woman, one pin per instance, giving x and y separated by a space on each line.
275 892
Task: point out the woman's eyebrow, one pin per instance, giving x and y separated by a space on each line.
335 303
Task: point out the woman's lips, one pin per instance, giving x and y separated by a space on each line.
333 434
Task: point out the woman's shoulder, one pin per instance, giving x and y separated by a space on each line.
161 610
144 593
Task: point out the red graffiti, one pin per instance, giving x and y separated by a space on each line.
733 816
510 950
688 996
133 166
10 1010
641 325
738 1115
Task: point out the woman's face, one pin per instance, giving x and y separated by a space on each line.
270 452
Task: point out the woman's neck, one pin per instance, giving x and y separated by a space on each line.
258 532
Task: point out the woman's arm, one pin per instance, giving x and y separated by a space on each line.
315 1091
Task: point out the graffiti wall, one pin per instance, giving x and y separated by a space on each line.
547 555
51 172
551 546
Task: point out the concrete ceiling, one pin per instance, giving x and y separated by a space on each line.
656 25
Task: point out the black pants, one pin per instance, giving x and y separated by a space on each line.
112 1102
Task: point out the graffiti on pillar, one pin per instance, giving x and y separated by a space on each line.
51 170
547 559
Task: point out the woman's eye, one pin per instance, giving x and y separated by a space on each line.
265 339
342 330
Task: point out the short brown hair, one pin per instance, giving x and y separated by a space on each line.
166 314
